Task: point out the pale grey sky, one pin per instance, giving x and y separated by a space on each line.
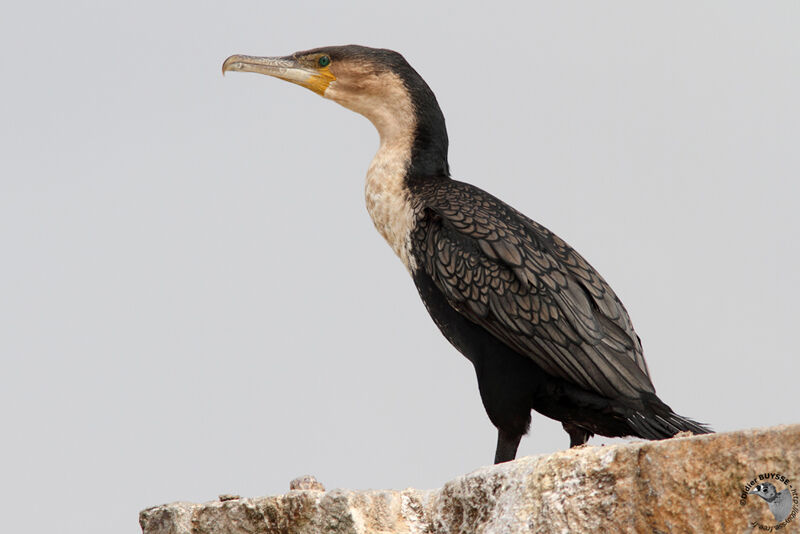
193 299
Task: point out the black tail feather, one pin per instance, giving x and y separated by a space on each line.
661 422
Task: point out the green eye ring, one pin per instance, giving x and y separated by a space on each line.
324 61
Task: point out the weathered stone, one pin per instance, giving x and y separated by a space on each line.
306 482
685 484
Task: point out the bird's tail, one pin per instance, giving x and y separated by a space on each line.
660 422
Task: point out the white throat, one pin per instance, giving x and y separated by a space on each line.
384 100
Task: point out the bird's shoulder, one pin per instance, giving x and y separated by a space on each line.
527 286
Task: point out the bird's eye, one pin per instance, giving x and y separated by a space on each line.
324 61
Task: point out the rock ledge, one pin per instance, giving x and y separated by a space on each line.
690 484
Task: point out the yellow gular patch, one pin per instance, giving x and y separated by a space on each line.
319 82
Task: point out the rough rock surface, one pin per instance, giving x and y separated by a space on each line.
685 484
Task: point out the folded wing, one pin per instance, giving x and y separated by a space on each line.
528 288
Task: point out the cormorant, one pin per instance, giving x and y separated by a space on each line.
542 328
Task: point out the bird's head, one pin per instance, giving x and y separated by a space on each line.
376 83
766 491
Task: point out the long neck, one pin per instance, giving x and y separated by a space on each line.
388 200
413 148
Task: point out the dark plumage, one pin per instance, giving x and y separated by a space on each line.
542 328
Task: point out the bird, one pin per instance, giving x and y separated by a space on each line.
780 503
542 329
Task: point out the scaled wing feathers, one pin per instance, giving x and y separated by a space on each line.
526 286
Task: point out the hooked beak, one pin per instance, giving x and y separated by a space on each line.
286 68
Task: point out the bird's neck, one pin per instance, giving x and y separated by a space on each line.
388 201
430 143
413 148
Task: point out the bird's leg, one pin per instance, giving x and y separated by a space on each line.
507 444
577 435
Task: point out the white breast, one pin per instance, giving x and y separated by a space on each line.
388 201
383 98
